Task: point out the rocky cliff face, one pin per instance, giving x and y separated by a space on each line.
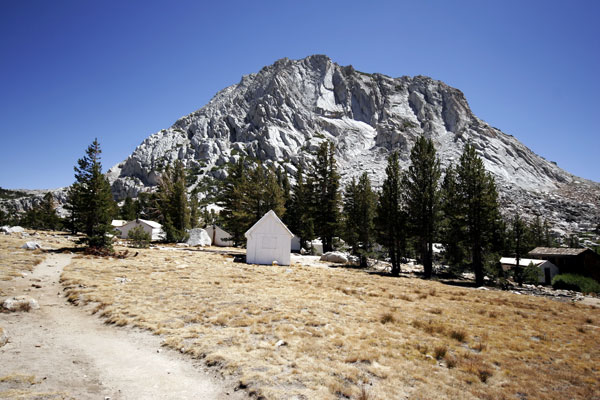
284 111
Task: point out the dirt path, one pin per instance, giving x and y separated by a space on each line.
72 352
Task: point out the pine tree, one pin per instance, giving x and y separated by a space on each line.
326 183
421 196
173 203
194 210
390 220
520 246
128 210
91 200
75 208
452 229
359 215
478 201
231 199
301 211
248 193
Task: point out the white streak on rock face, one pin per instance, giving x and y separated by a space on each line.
284 111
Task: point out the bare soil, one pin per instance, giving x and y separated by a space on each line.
60 351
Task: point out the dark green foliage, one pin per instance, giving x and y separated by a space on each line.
248 192
139 237
520 247
390 221
300 214
452 227
148 206
359 216
194 210
575 282
475 209
326 194
90 200
42 215
173 203
129 209
422 198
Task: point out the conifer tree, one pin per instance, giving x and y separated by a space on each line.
390 220
194 210
326 183
520 246
359 215
128 210
173 203
478 201
301 211
90 199
248 193
231 199
421 196
452 229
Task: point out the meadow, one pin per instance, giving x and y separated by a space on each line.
309 332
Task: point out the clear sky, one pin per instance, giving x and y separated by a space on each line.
71 71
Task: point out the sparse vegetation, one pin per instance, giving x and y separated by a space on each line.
575 282
338 338
139 237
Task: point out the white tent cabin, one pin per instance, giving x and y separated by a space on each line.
546 270
268 241
219 236
154 229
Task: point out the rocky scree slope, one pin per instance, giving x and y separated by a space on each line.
282 113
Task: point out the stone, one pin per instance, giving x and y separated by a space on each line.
335 257
11 229
3 337
280 343
31 246
198 237
20 303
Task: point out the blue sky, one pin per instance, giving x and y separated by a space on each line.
71 71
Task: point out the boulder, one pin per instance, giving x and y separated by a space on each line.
31 246
11 229
3 337
198 237
335 257
20 303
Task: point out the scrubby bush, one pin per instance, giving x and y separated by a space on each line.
575 282
139 237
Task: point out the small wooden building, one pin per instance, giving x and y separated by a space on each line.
154 229
268 241
546 270
219 236
583 261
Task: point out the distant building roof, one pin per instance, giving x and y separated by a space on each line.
522 262
556 251
153 224
118 222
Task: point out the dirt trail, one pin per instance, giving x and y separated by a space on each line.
72 352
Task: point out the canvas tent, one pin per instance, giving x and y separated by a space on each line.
546 270
151 227
218 236
268 240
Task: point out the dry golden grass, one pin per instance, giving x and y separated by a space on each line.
22 386
14 260
346 334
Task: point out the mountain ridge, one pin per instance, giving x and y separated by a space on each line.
284 111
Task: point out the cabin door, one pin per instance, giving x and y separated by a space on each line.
547 279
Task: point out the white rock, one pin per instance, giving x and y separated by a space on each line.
31 246
3 337
335 257
198 237
20 303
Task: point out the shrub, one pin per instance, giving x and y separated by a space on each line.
139 237
575 282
